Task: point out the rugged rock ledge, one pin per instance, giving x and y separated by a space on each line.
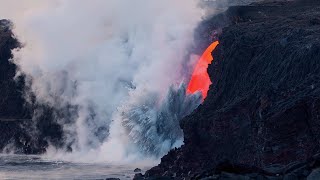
20 133
261 118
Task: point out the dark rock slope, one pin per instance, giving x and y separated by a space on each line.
262 114
20 133
11 92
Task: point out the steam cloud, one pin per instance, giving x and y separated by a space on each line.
116 66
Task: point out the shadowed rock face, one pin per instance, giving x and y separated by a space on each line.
20 132
262 111
11 92
11 100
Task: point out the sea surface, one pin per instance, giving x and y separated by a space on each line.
35 167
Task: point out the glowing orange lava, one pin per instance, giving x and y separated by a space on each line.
200 80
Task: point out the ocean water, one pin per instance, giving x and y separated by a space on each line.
14 167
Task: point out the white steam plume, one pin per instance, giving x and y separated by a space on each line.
107 59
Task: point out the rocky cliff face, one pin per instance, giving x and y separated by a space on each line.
261 115
20 132
11 91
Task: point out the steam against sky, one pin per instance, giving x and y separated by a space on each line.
114 66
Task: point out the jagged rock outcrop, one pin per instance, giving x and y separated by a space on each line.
261 115
20 132
11 90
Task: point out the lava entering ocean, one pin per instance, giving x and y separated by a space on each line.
200 80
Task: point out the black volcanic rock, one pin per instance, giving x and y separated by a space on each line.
261 117
11 91
20 132
12 104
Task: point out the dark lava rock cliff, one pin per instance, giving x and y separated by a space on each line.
261 118
20 133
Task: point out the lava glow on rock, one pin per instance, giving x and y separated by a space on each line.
200 80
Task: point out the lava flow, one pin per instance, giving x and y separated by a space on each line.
200 80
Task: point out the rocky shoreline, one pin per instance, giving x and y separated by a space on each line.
261 116
260 119
20 133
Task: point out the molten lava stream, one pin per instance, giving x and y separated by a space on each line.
200 80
